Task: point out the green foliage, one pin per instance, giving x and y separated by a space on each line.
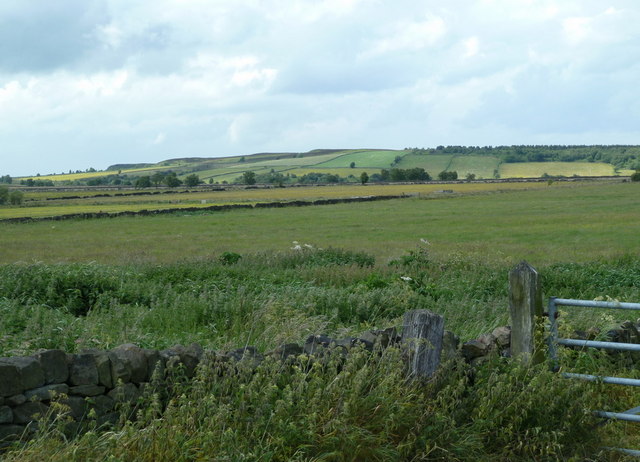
16 197
4 194
6 179
192 180
361 408
399 174
230 258
143 182
448 176
172 180
364 178
249 178
635 176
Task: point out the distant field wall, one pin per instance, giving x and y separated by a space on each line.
213 208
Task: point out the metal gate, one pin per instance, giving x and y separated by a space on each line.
631 415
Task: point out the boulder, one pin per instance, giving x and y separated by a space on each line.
189 357
47 392
155 364
30 370
29 412
249 354
83 370
6 415
102 404
10 379
136 358
450 344
15 400
54 364
127 392
103 365
10 433
502 336
120 369
316 344
474 349
76 406
285 350
87 390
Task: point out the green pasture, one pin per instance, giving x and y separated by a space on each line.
538 169
234 278
545 224
343 172
38 204
301 160
433 164
365 158
481 166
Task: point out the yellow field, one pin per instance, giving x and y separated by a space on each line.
538 169
88 175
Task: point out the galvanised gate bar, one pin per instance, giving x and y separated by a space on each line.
629 415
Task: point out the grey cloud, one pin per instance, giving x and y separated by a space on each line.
46 35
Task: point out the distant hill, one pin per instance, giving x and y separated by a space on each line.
330 165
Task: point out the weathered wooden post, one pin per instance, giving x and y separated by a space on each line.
525 305
422 333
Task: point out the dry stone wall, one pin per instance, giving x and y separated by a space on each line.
96 382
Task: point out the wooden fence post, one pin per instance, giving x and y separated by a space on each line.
525 305
422 333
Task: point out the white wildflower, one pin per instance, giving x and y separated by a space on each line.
424 241
406 278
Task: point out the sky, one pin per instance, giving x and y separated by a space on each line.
91 83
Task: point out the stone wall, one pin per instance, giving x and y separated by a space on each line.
96 382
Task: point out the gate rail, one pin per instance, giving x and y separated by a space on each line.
630 415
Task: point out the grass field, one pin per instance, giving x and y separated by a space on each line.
160 280
538 169
432 164
550 223
364 158
37 203
481 166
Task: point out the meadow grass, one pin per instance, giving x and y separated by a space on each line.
361 409
157 281
567 222
45 207
363 158
481 166
433 164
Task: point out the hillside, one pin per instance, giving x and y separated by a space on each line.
333 165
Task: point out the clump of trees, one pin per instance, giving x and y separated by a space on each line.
401 174
14 197
448 176
621 156
30 182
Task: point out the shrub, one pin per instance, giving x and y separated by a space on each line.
230 258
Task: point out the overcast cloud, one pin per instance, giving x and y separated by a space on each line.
90 83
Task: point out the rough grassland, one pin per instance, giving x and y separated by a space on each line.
576 223
37 205
432 164
481 166
377 159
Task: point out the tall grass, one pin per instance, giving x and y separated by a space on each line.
361 409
